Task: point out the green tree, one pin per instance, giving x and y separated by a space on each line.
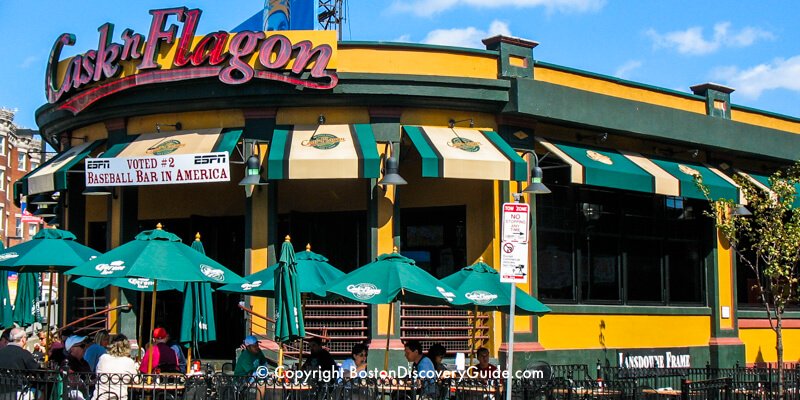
768 242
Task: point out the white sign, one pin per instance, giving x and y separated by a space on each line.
513 262
515 222
158 170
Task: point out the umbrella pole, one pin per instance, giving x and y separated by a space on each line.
189 360
474 331
388 335
152 326
47 318
280 355
139 355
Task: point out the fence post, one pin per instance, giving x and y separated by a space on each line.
685 390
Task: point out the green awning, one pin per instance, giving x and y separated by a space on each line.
176 142
323 152
627 170
52 175
466 153
762 181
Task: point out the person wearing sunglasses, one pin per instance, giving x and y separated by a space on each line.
355 366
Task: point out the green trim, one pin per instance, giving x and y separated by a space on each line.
550 102
431 167
519 168
762 314
718 187
621 173
228 139
417 46
60 176
276 156
712 285
369 150
627 310
25 177
117 148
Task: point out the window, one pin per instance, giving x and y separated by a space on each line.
32 229
21 161
34 165
2 145
3 218
605 246
2 179
18 222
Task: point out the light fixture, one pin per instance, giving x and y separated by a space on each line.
536 186
178 126
44 212
591 211
391 175
321 119
598 137
97 191
694 153
452 123
252 175
42 199
741 211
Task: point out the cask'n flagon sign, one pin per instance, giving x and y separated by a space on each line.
235 58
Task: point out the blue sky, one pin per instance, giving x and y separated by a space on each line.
752 47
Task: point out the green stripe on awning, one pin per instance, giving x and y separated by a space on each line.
719 188
277 152
431 166
117 148
764 180
608 168
228 140
369 151
519 167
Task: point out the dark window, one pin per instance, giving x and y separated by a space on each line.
605 246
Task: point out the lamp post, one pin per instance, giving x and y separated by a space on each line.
535 187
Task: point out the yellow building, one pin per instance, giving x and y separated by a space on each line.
621 250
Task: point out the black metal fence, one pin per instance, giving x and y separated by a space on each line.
563 382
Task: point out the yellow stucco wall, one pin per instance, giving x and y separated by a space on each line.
753 118
760 345
408 61
598 331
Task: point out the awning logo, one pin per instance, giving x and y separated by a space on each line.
465 144
688 170
165 147
141 283
110 268
364 291
449 296
213 273
480 297
8 256
601 158
322 141
251 285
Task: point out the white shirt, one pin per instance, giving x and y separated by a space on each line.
108 364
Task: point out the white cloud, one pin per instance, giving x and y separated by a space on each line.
427 8
692 42
404 38
750 83
624 70
466 37
28 61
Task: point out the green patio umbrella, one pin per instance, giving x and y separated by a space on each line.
313 267
50 250
159 255
390 278
197 321
25 301
480 284
136 284
288 310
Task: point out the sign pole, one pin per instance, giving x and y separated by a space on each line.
510 367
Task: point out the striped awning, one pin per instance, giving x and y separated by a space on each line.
52 175
466 153
632 171
762 182
323 152
176 142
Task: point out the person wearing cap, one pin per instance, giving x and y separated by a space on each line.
164 358
75 346
14 355
57 352
250 359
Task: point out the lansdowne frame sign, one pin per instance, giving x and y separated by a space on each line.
235 58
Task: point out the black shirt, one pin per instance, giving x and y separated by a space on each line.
15 357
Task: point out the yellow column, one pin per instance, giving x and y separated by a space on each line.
385 243
115 230
725 281
256 256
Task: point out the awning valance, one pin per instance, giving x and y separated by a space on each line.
52 175
632 171
176 143
466 153
323 152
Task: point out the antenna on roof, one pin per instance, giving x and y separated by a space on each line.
330 15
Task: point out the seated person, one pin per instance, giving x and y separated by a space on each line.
58 354
75 346
14 355
163 357
355 366
96 349
436 354
320 359
250 359
484 369
424 370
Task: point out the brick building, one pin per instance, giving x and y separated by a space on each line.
20 152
